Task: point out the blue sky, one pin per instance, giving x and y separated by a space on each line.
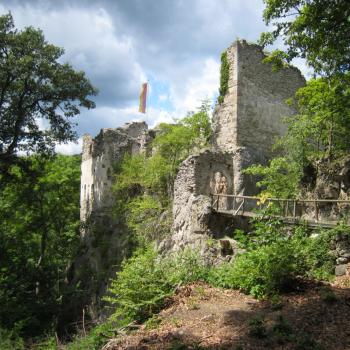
173 44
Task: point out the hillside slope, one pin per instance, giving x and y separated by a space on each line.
313 316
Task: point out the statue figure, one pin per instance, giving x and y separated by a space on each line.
223 201
219 185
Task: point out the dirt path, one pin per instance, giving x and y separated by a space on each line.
202 317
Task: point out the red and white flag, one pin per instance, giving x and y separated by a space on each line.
143 97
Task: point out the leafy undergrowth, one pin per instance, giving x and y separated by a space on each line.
204 317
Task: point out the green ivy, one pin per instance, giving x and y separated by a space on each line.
224 75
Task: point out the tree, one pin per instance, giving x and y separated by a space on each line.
317 30
322 124
36 90
39 235
145 185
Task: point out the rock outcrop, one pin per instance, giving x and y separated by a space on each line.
106 240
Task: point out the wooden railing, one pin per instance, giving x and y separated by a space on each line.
328 211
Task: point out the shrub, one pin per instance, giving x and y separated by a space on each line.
148 219
10 340
274 258
261 272
313 254
185 267
145 280
139 288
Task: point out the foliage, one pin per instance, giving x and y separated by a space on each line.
316 30
39 234
318 131
172 144
145 280
313 253
273 259
144 184
10 340
35 89
322 123
260 272
140 287
184 267
279 179
95 339
224 76
148 219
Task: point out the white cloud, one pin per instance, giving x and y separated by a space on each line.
196 88
120 44
163 97
70 148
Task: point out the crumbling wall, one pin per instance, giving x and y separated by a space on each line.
262 95
192 201
245 125
253 108
250 117
99 158
106 240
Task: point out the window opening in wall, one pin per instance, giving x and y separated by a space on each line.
90 149
109 174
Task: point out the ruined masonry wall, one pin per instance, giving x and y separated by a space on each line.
254 106
192 202
261 98
245 126
99 157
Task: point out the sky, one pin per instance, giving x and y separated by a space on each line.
175 45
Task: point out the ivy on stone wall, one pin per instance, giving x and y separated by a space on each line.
224 75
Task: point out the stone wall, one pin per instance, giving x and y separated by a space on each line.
245 126
100 156
261 98
252 110
192 201
106 239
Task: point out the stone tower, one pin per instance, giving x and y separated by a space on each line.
250 118
245 126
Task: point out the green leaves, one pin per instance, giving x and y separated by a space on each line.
316 30
145 280
39 234
279 179
224 76
145 184
323 119
36 89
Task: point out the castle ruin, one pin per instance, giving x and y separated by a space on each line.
245 125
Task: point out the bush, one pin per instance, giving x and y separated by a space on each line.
274 258
261 272
140 287
10 340
313 253
145 280
185 267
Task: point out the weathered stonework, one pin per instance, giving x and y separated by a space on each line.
100 156
245 126
192 201
106 240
